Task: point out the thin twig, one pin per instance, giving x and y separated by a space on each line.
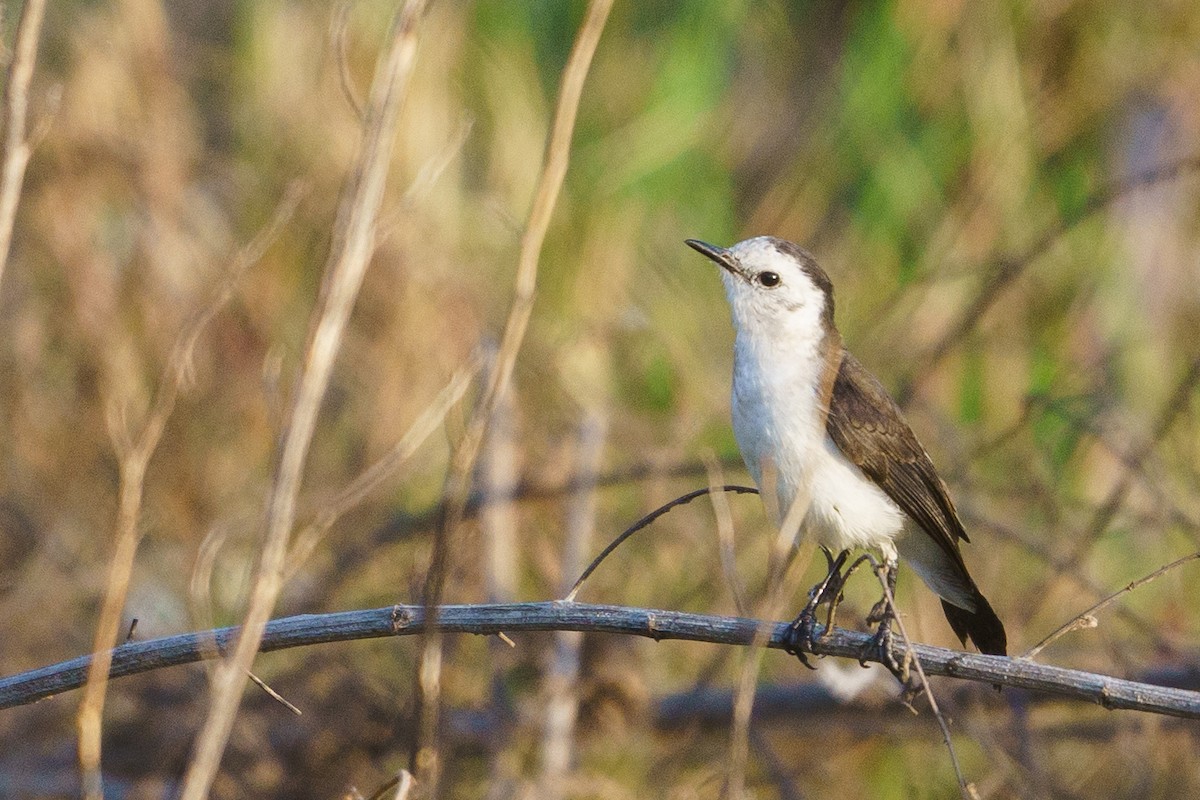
1087 535
353 244
644 522
134 454
518 618
402 782
16 110
966 789
1175 404
1086 619
274 695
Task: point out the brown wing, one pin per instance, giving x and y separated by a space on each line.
871 432
869 429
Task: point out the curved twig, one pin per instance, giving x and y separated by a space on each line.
645 522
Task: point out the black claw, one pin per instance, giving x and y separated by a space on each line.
800 636
804 632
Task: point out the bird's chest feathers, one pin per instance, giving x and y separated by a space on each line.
779 417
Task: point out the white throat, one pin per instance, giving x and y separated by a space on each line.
778 366
780 388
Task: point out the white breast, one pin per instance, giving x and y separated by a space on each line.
780 431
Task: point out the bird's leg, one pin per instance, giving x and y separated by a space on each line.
882 643
802 632
836 600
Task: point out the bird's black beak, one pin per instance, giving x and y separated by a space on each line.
720 255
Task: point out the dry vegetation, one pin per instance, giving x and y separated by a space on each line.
969 176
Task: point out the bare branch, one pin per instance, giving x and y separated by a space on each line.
515 618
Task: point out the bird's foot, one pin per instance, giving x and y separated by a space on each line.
803 633
882 645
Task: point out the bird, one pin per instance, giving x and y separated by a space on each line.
828 439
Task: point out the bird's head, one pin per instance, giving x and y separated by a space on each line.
775 288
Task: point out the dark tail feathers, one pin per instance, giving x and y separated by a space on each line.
982 626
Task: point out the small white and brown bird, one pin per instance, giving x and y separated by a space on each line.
823 432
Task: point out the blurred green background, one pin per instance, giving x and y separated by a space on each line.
951 164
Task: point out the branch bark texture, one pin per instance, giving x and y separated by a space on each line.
515 618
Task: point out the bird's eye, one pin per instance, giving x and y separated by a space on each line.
768 279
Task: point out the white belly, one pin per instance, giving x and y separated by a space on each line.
792 453
846 508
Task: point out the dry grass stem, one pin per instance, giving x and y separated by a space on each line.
388 464
16 111
782 586
545 198
725 536
965 788
462 465
134 454
352 247
498 516
338 31
790 557
562 678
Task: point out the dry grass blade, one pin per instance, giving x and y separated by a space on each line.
782 585
134 454
353 244
790 555
725 537
338 25
562 677
16 111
